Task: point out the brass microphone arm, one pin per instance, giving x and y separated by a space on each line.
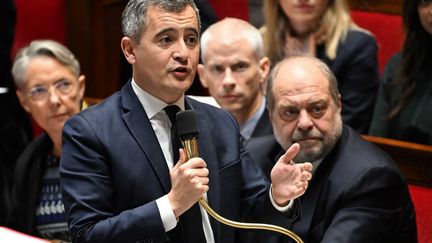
191 149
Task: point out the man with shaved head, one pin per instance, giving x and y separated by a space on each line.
234 70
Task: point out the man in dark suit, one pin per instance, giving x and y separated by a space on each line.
118 169
357 193
234 70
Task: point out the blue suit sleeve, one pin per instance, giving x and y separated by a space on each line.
89 192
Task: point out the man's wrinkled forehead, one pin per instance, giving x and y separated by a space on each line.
170 13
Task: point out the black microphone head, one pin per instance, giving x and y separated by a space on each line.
187 125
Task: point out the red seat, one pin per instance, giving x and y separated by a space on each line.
421 197
33 23
387 28
415 162
225 8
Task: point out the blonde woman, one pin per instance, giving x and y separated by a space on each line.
324 28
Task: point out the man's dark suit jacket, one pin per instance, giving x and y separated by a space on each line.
357 194
112 170
264 126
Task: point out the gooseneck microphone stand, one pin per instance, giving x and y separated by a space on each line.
187 130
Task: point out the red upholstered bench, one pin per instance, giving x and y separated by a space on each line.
422 197
387 28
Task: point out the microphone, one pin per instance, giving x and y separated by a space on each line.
187 131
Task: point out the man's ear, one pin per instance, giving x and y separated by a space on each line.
81 86
23 100
339 103
127 46
202 75
264 65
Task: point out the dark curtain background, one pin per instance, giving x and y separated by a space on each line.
15 126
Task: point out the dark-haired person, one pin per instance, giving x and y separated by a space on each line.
120 176
404 106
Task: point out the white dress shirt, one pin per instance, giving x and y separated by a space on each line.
161 124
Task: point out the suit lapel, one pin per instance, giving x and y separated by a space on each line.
308 205
263 126
316 196
139 126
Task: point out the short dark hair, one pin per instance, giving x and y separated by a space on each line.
134 16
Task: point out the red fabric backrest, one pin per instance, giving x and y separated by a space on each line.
421 197
231 8
387 29
38 19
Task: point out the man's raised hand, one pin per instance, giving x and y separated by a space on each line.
289 180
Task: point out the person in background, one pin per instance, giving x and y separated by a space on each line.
357 193
234 70
51 89
256 12
324 29
208 17
122 176
15 126
207 13
404 106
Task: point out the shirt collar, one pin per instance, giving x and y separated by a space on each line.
248 127
151 104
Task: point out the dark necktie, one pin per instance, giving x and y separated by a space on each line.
190 221
171 111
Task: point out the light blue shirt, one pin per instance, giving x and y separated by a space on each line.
248 127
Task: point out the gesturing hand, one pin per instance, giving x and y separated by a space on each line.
289 180
189 180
